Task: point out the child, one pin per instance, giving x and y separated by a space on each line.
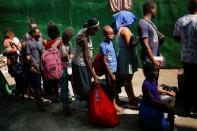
110 63
66 37
152 108
66 54
53 33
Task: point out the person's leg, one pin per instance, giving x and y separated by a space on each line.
81 82
46 84
171 101
129 89
171 120
119 82
35 82
64 91
187 88
39 102
70 90
26 85
57 87
29 92
17 86
111 92
193 80
114 94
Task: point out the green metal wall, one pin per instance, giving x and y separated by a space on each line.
15 14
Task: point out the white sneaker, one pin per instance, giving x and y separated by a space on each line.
45 100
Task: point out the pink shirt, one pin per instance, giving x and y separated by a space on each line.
6 43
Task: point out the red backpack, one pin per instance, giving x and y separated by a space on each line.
101 110
98 65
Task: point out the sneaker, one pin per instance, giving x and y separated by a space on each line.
45 100
30 97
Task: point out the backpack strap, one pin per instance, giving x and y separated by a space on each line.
13 44
151 24
57 42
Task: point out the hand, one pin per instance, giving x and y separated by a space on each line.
44 41
113 78
34 70
172 93
96 81
28 58
70 57
157 64
23 45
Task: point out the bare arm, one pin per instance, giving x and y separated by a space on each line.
163 106
145 43
177 33
11 50
162 91
10 47
126 35
70 52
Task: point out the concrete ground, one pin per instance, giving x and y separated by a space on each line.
17 114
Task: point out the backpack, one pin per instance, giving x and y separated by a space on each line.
101 109
51 63
98 65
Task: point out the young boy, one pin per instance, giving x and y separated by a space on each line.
67 49
110 63
66 56
152 108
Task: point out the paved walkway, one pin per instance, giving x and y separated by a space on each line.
21 115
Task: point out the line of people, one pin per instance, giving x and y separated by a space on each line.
119 69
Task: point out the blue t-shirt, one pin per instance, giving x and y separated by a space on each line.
146 30
32 49
107 49
152 87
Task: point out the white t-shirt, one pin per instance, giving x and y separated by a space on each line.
16 41
186 28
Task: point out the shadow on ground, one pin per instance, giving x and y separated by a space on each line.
17 114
